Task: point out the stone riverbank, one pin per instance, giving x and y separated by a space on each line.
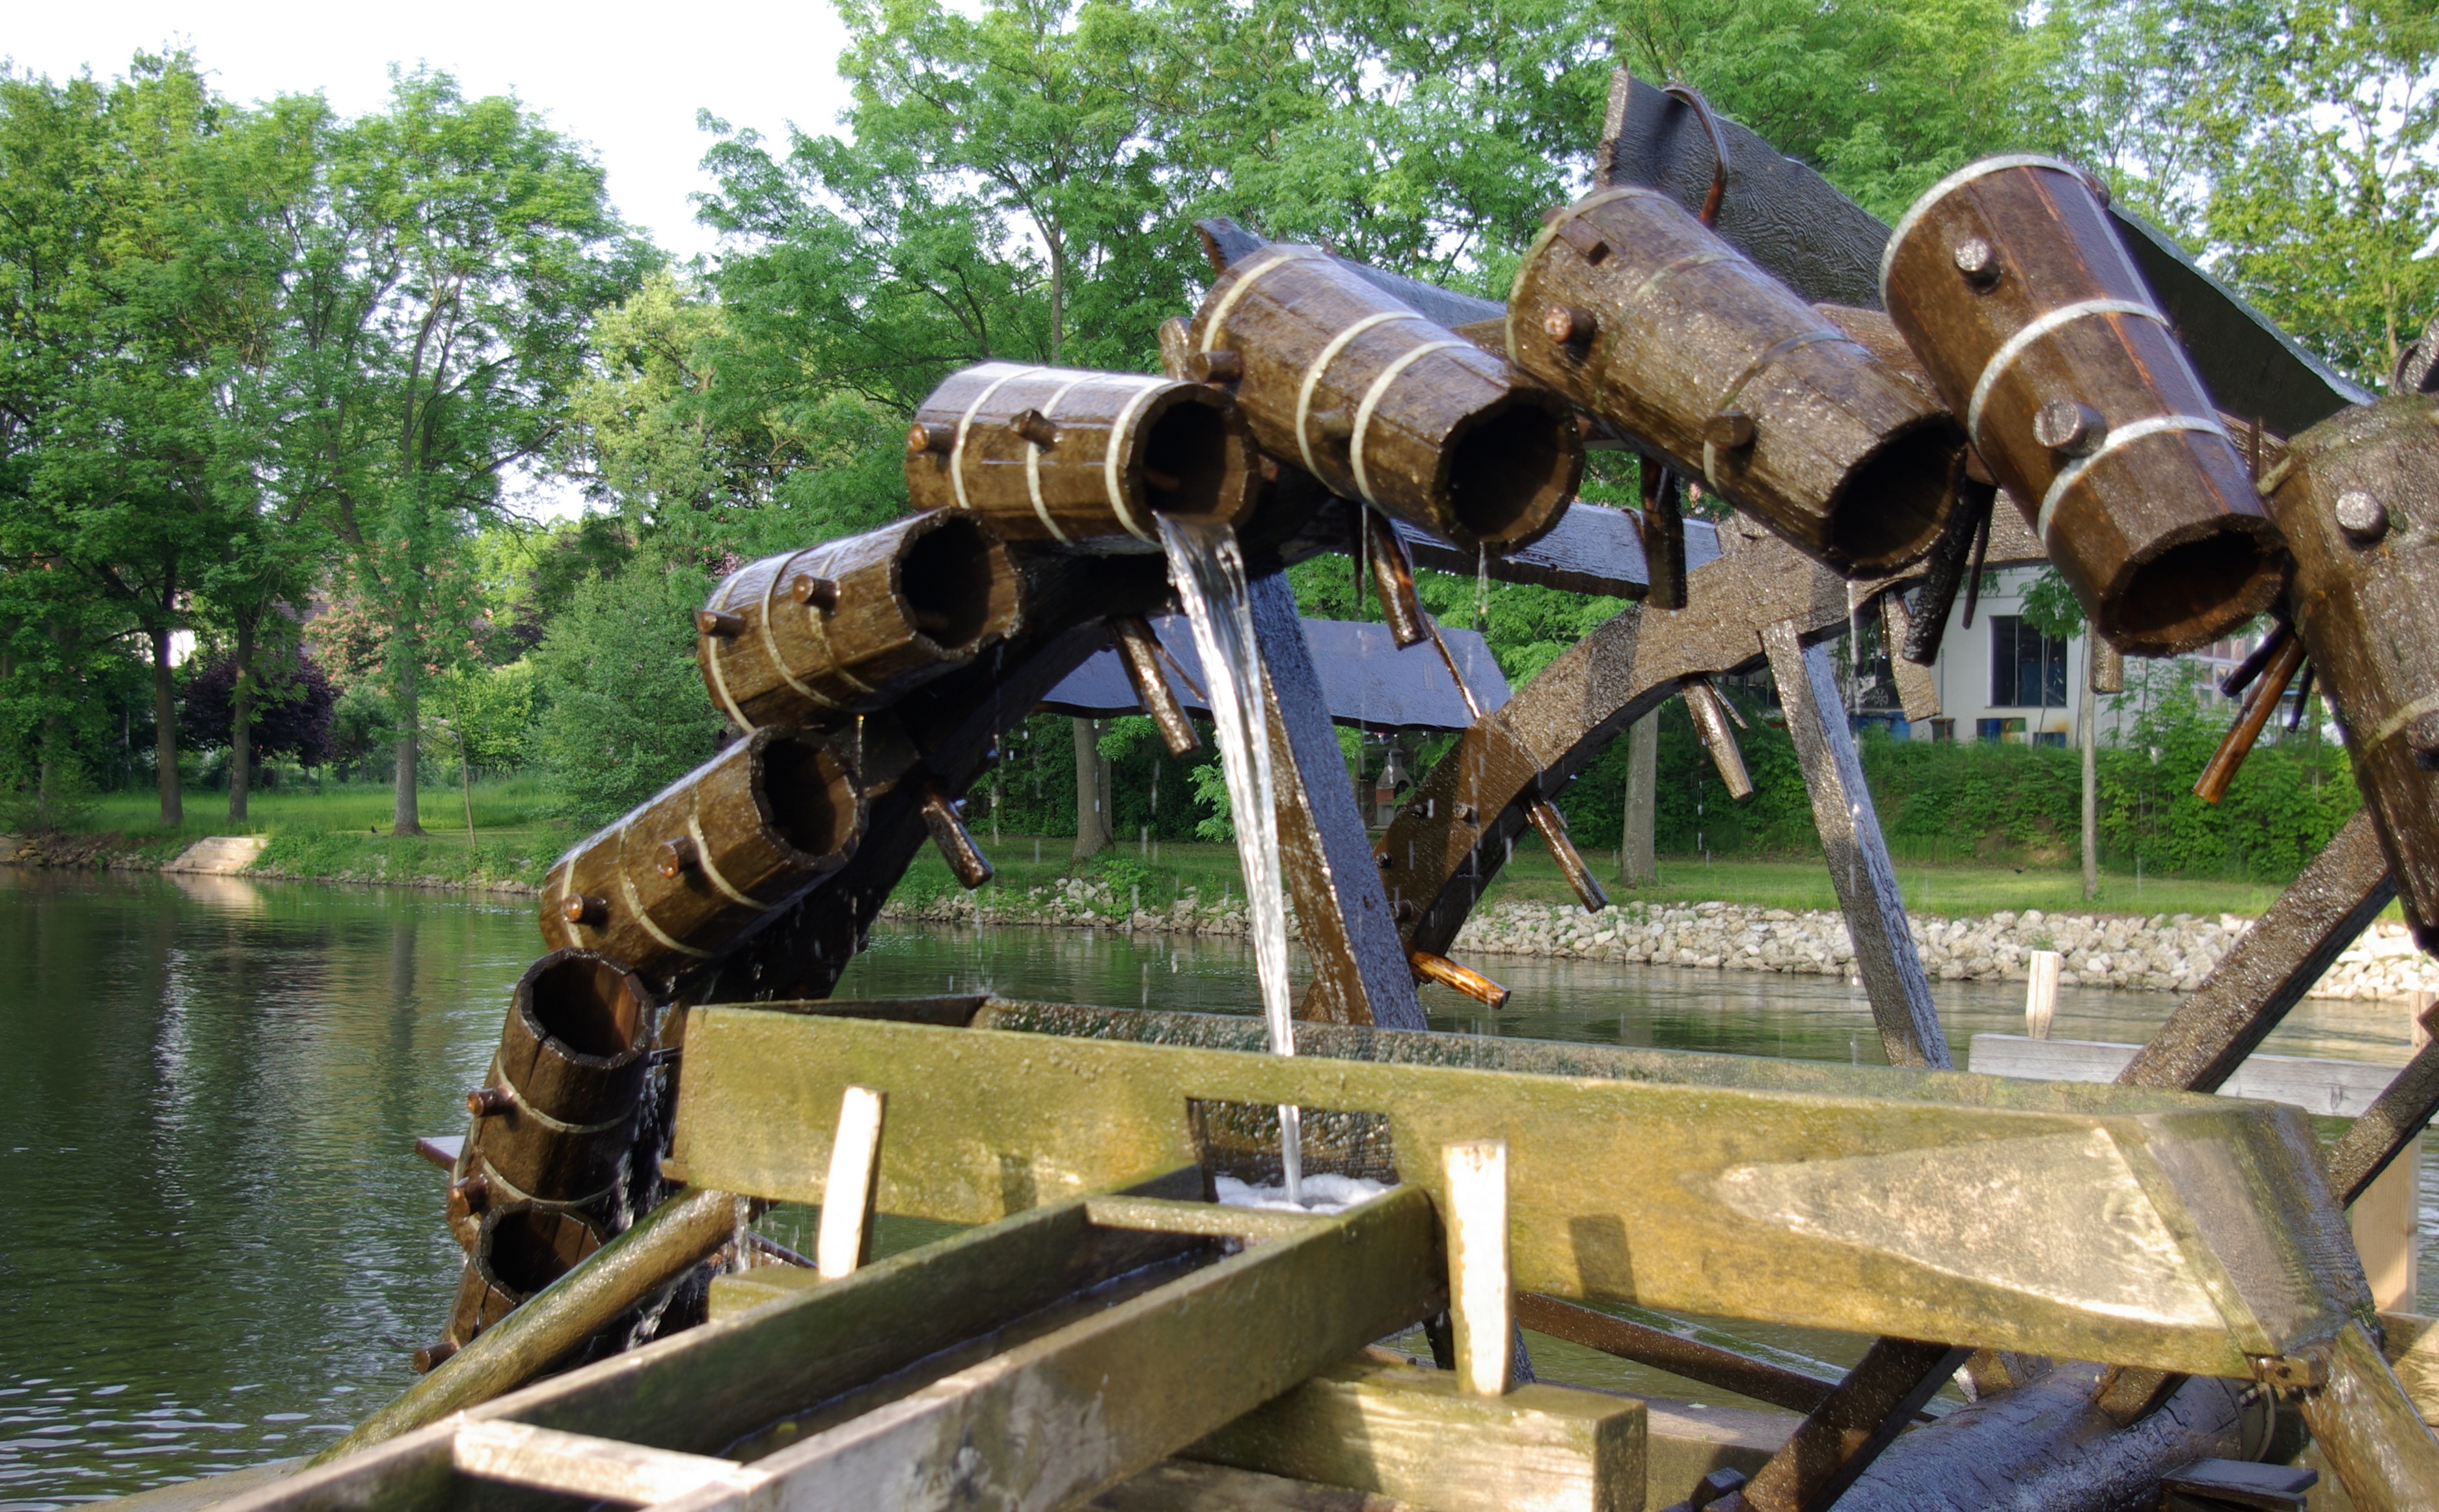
2160 954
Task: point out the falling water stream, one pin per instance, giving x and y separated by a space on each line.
1208 569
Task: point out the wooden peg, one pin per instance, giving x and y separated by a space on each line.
1393 573
1664 536
1710 714
949 832
1552 827
1457 978
2041 992
843 1241
1482 1305
2259 705
1139 650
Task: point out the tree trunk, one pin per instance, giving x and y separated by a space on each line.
2090 778
1638 864
241 719
1093 833
164 732
404 818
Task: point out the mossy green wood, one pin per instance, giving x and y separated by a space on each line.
2150 1228
1063 1417
1413 1435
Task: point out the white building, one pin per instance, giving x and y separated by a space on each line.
2000 680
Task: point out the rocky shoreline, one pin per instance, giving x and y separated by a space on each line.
2160 954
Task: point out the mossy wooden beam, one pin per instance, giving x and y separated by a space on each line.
2088 1223
1417 1436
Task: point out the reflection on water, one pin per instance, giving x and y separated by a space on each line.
216 1246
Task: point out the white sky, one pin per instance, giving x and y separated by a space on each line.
625 79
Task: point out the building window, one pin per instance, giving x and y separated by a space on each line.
1943 729
2027 668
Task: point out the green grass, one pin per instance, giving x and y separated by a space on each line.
1953 888
342 831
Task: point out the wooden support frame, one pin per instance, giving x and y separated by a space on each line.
843 1241
1725 1212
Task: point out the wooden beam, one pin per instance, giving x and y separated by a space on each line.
1877 1200
2329 1088
1076 1411
1416 1435
578 1465
1182 1485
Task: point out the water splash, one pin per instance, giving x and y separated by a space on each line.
1208 569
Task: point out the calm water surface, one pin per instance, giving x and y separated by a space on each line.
217 1247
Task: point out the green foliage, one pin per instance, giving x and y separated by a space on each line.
490 713
624 712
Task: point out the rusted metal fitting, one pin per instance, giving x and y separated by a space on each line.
700 862
1438 432
2307 1371
2075 392
1061 455
488 1102
2365 615
1835 450
714 622
905 604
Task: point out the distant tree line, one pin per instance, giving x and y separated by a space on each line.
277 379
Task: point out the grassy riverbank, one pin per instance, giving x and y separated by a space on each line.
342 833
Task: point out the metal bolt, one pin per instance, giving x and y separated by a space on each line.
936 438
1464 813
719 622
473 1194
1729 429
2067 428
1978 262
577 908
484 1102
818 593
1570 325
1215 368
2362 516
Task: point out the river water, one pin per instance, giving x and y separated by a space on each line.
217 1247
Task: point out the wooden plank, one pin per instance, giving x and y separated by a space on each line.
578 1465
1183 1486
843 1241
2412 1346
1416 1435
742 1291
1900 1204
442 1149
2332 1088
1068 1414
1685 1441
1482 1305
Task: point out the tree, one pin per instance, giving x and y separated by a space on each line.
461 251
290 709
626 712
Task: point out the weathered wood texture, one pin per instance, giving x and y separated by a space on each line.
1054 454
2046 1446
1358 389
1182 1485
849 626
2010 283
1664 1349
1675 1192
706 1389
579 1465
1413 1434
1070 1413
1360 973
2374 1438
702 862
553 1122
1634 309
2357 498
1840 1439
